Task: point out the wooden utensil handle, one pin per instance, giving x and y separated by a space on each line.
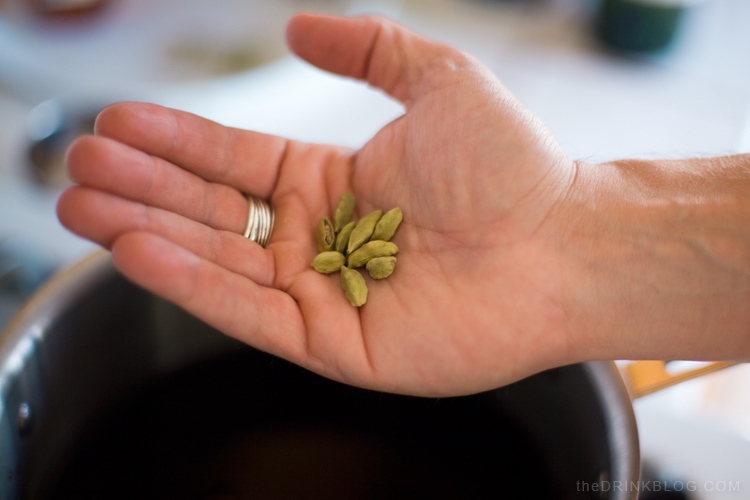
646 377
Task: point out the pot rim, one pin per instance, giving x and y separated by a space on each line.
19 340
29 326
622 431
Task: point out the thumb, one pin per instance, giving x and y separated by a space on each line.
385 54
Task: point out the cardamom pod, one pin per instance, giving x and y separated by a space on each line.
363 230
325 235
344 211
328 262
354 286
387 225
342 239
369 251
381 267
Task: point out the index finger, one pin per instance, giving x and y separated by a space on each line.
246 160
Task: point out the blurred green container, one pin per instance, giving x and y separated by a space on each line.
640 25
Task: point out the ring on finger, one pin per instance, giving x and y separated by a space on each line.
260 219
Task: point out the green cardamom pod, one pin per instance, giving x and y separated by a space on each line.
387 225
342 239
370 250
381 267
363 230
328 262
325 235
344 211
354 286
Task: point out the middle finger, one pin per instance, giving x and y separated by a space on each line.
119 169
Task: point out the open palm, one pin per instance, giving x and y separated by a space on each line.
475 301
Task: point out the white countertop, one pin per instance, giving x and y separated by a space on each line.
693 100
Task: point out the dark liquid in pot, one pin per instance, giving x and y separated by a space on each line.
251 426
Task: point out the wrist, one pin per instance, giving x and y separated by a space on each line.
656 259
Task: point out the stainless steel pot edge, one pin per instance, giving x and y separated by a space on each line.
19 342
19 339
622 431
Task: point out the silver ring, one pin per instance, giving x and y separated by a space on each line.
260 218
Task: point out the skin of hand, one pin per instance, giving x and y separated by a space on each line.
494 280
657 257
474 301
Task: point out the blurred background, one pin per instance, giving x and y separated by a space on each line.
610 78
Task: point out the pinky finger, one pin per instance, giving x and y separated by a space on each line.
265 318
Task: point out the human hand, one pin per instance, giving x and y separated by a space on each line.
476 299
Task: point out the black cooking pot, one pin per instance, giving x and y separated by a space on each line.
109 392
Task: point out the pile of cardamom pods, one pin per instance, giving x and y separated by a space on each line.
345 245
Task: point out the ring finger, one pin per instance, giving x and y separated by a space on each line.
103 218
